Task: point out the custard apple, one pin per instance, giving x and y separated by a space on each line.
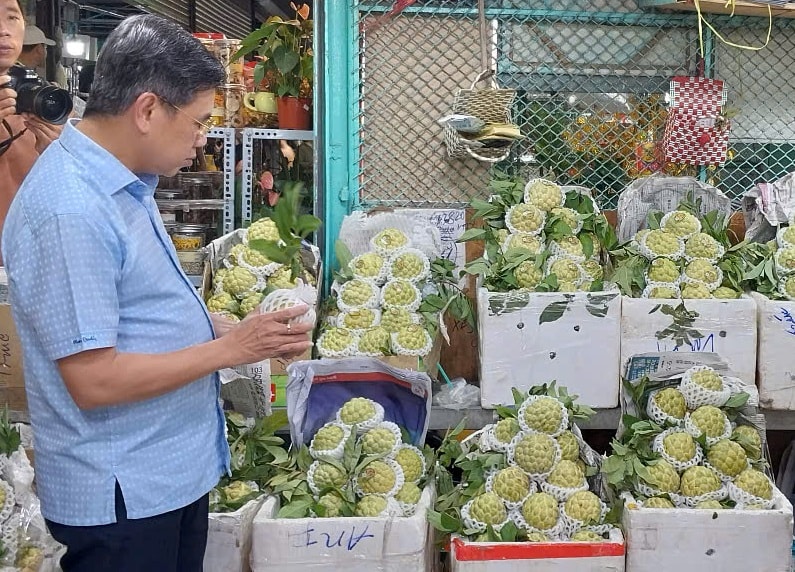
593 270
409 265
332 503
335 340
709 420
727 457
681 224
399 293
661 243
702 245
250 303
358 292
662 476
663 270
409 493
585 507
695 291
282 279
787 287
708 379
709 504
527 275
328 437
506 429
540 511
230 316
255 258
697 481
525 218
381 440
357 410
680 446
325 475
222 302
545 195
726 293
657 502
785 258
523 240
567 287
640 235
569 446
488 509
755 483
375 341
359 319
413 338
367 266
238 281
379 478
788 235
234 255
750 440
536 453
663 292
544 414
390 239
565 269
511 484
392 319
411 461
263 229
586 536
571 246
566 475
370 505
567 215
671 402
218 277
702 270
535 536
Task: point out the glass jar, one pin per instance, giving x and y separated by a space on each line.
191 261
233 95
202 185
225 50
189 237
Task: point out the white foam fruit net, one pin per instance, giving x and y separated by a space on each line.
398 437
664 224
473 524
695 431
331 454
522 415
538 477
402 350
658 415
282 299
510 219
553 533
562 494
651 255
420 265
697 395
651 286
396 469
371 300
658 447
367 424
327 352
744 498
509 504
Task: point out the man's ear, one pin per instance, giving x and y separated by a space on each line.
144 110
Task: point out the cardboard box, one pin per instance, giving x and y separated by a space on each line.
531 338
726 327
709 540
775 373
12 380
353 544
539 556
229 538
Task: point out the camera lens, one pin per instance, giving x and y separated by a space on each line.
50 103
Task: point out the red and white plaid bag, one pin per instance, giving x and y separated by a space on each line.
695 132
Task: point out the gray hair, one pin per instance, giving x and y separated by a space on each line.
148 53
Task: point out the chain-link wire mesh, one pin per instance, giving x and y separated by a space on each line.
591 79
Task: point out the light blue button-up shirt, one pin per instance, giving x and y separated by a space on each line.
90 266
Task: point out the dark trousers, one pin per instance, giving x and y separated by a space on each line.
170 542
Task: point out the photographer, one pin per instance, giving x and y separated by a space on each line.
22 137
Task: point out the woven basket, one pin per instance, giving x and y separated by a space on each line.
492 105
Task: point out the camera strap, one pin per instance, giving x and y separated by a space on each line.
5 145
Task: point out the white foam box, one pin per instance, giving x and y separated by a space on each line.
709 540
229 538
727 327
775 372
538 556
352 544
528 338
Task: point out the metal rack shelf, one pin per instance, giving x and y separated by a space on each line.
251 134
228 136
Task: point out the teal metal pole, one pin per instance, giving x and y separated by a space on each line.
709 71
340 122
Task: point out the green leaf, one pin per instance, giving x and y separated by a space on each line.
472 234
296 509
737 400
554 311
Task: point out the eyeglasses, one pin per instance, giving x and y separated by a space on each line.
5 145
204 128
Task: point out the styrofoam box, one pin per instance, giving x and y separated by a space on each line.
229 538
710 540
580 349
728 328
352 544
538 556
775 372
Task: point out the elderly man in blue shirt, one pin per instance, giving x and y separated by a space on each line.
119 351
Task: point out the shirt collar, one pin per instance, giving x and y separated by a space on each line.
115 175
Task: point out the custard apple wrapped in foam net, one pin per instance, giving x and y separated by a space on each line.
376 506
362 412
382 477
569 217
322 476
681 224
392 319
785 260
511 484
540 513
536 453
727 458
239 281
400 294
566 269
701 270
357 293
709 421
658 243
524 240
678 448
486 509
412 340
661 290
263 229
544 194
284 299
667 405
337 342
390 240
525 218
374 342
409 264
382 440
752 488
369 266
663 270
528 275
695 291
565 479
357 319
329 441
543 414
785 237
412 461
702 245
786 287
569 247
702 385
222 302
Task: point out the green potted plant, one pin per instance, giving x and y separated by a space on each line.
283 50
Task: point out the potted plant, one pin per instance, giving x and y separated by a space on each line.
283 50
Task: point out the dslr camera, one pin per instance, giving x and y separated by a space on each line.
34 95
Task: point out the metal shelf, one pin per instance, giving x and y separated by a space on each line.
250 134
228 135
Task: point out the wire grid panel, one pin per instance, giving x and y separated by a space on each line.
592 79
